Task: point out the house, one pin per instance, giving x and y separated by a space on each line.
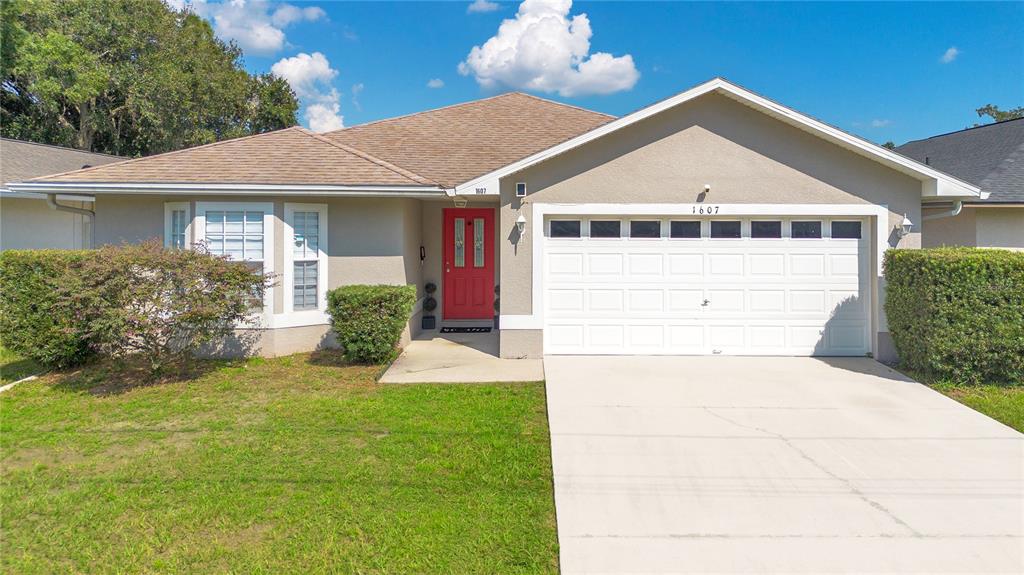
712 222
26 219
990 157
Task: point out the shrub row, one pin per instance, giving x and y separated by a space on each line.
958 313
368 319
61 308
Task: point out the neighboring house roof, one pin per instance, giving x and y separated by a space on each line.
934 182
989 156
454 144
21 160
289 156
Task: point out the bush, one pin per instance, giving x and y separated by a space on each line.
61 308
32 324
369 320
958 313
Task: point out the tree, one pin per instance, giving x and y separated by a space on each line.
997 115
128 77
889 145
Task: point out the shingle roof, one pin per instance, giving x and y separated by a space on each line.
989 156
455 144
23 160
289 156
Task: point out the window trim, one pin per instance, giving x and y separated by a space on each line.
269 248
750 225
739 221
565 238
591 221
169 209
629 230
700 229
289 259
821 229
857 221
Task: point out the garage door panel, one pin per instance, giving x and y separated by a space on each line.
701 296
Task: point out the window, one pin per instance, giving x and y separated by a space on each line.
565 228
846 230
806 230
725 229
478 242
765 230
460 242
645 229
305 256
305 228
176 222
684 230
520 189
605 229
242 231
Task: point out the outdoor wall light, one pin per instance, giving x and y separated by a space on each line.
905 227
521 223
707 188
460 201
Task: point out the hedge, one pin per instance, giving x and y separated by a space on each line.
957 314
32 323
368 319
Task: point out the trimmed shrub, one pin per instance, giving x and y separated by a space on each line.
958 313
32 323
369 319
61 308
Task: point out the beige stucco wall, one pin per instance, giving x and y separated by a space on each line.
978 226
745 156
954 231
29 224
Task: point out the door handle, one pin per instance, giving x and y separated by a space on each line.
706 302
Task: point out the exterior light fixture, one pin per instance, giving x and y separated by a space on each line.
460 201
707 188
521 223
905 227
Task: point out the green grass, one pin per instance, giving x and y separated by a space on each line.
14 367
292 465
1004 403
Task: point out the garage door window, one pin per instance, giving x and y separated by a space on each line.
565 228
605 229
684 230
764 230
846 230
806 230
725 229
645 229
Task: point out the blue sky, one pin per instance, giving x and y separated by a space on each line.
886 71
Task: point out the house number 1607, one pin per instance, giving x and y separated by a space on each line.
705 210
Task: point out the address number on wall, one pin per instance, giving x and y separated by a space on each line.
705 210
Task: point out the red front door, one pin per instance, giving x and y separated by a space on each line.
468 263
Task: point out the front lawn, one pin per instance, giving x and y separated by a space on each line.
1004 403
14 367
291 465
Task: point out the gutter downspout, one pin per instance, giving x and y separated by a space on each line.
957 206
51 200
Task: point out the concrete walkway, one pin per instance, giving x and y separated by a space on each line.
776 465
459 358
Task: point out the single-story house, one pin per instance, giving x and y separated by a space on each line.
991 157
715 221
26 221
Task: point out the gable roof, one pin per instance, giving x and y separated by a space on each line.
289 156
989 156
933 182
457 143
23 160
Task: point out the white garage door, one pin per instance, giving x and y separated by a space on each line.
754 286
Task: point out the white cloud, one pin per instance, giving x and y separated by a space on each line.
949 55
257 26
435 83
357 89
543 49
880 123
482 6
310 75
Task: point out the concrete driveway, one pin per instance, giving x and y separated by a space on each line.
776 465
